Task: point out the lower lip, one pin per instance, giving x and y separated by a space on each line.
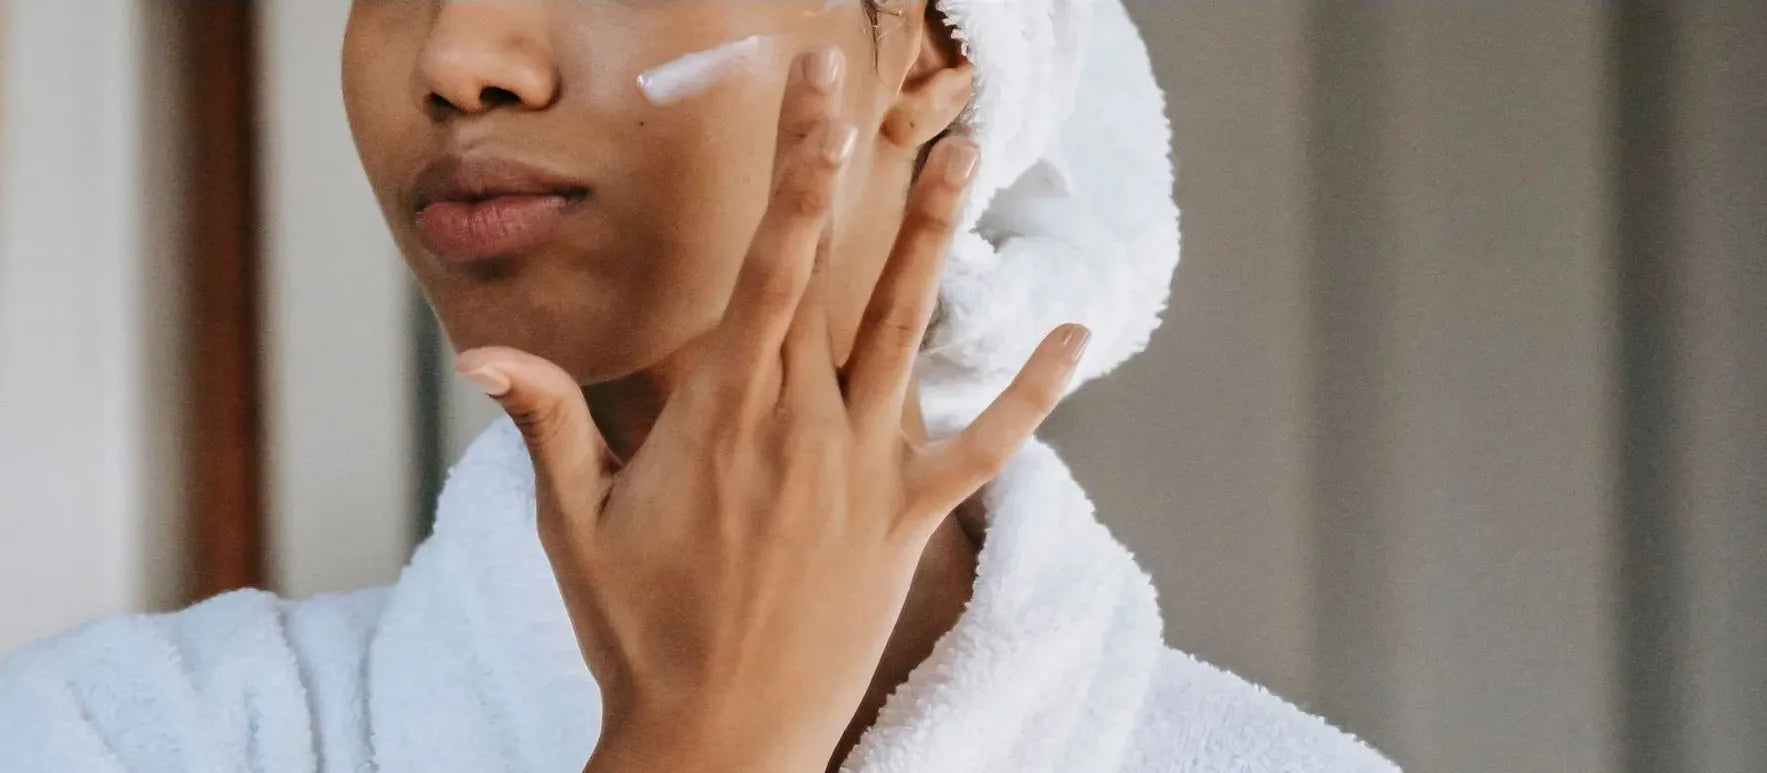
463 232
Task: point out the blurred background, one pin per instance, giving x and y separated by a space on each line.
1456 432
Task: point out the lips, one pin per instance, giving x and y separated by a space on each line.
479 208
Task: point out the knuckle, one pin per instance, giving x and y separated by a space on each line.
726 401
1033 398
823 447
1042 394
932 220
811 432
901 331
715 395
728 441
983 460
727 432
920 512
807 196
539 422
795 131
777 293
771 289
798 424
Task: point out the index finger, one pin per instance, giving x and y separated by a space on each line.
777 266
811 92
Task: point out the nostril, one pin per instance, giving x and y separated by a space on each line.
440 104
493 96
489 98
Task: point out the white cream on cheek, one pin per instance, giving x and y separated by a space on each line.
690 74
683 77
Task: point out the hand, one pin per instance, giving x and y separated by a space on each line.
733 586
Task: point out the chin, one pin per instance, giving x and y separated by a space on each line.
599 320
593 348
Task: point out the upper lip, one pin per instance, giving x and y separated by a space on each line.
476 178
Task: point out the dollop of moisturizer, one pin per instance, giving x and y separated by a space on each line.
693 73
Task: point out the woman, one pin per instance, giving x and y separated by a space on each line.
696 251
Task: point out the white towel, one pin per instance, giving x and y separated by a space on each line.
1071 217
468 664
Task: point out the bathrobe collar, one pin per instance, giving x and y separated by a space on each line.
1046 669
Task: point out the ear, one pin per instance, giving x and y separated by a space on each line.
935 90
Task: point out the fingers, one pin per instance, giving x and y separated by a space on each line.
812 91
780 257
812 98
895 320
569 453
809 364
956 467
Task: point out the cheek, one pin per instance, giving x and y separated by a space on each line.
701 183
697 188
378 56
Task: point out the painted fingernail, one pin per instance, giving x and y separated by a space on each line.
489 379
1073 341
823 67
960 161
837 141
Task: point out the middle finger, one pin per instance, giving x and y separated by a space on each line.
780 256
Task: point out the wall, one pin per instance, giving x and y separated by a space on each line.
90 460
337 330
1455 430
1693 258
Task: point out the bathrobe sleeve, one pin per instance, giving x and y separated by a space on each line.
243 682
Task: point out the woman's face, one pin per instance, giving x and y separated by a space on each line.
544 201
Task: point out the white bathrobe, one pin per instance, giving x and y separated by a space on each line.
468 663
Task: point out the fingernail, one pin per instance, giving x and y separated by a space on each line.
1073 341
489 379
960 161
837 141
823 67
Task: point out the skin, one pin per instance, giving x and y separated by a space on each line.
711 359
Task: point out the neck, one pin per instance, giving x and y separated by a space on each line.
625 410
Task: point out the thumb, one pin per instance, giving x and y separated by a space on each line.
570 456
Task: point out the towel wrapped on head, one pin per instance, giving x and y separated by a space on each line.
1071 217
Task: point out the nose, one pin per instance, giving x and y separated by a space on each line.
482 56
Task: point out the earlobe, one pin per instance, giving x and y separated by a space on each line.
929 104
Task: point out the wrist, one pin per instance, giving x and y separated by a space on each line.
628 746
